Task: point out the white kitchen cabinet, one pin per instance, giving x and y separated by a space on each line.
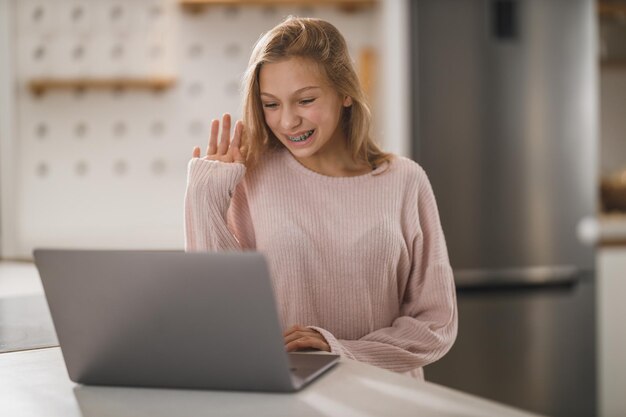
609 235
611 304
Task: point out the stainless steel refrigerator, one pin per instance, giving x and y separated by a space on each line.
505 125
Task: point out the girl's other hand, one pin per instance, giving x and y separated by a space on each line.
228 149
302 338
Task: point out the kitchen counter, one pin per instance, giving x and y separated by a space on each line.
608 234
34 380
19 279
613 227
35 383
605 230
25 321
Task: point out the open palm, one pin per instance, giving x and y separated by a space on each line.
228 149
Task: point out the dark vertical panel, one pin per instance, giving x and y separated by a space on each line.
504 19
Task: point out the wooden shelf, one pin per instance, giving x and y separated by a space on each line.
39 86
346 5
611 8
613 64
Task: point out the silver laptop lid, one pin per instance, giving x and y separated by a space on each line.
166 319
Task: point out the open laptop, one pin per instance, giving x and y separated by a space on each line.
171 320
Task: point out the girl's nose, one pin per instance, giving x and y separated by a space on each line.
289 120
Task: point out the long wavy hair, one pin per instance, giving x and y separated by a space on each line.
323 44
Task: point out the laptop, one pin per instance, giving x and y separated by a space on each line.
167 319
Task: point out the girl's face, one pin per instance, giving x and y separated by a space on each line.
301 109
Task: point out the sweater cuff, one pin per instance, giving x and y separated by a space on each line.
335 346
202 172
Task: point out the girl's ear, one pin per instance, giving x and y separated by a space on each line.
347 101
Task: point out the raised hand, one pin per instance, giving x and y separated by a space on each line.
228 149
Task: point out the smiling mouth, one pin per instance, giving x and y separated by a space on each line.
301 138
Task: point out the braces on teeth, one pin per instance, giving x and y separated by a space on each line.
302 137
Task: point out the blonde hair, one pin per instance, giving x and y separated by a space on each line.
321 42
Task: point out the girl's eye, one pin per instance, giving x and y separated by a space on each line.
307 101
269 105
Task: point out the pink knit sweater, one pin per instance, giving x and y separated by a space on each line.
361 259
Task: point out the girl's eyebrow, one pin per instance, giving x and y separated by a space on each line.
299 91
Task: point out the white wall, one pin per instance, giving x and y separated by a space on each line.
393 116
104 169
7 131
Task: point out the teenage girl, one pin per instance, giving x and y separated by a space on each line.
351 234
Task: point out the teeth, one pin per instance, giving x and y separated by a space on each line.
302 137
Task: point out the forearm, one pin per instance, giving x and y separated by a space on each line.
399 348
423 333
210 185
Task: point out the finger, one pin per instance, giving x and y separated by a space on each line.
293 336
306 343
294 328
311 335
235 145
298 344
225 140
215 127
237 134
290 330
303 334
196 152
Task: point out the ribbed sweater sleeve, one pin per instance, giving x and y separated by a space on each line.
427 325
210 187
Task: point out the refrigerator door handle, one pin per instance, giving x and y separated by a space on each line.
528 276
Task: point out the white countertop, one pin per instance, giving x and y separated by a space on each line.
607 229
25 321
19 278
34 383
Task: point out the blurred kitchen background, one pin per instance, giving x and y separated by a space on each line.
515 108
